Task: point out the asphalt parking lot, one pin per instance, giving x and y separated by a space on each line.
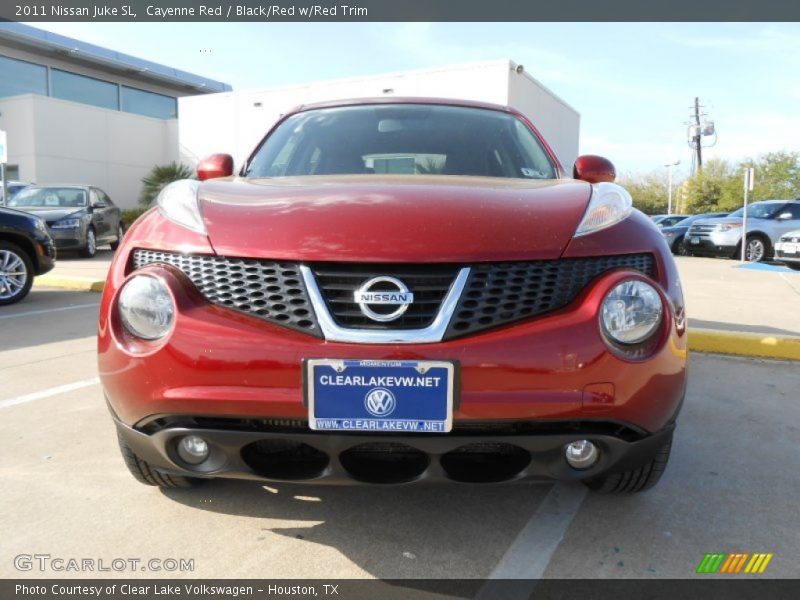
730 487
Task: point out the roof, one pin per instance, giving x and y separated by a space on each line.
45 42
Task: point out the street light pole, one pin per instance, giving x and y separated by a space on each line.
669 184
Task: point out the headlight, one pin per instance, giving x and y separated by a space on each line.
729 226
39 224
146 307
67 224
631 312
610 204
178 202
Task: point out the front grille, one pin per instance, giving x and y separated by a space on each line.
701 230
429 284
501 293
495 294
273 291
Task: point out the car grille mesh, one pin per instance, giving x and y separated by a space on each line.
501 293
495 294
273 291
428 283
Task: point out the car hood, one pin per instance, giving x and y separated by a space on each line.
52 214
392 218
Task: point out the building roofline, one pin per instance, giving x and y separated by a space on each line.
45 41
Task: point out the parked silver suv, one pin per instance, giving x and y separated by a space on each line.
787 250
767 221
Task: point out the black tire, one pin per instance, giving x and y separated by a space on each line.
120 233
679 248
12 256
795 266
144 473
757 250
636 480
90 249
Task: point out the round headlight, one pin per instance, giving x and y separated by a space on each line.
631 312
146 307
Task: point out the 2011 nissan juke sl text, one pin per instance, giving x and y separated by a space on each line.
392 291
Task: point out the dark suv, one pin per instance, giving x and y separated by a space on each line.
26 250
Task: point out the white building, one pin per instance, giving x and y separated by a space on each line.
78 113
234 122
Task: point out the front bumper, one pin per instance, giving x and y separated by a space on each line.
69 239
709 247
472 453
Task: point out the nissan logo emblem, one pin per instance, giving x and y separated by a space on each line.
383 290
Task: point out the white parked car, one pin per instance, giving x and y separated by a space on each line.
787 249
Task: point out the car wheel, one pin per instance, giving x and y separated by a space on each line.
16 273
635 480
144 473
120 233
90 249
679 248
756 249
795 266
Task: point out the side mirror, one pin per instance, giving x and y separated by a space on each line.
216 165
594 169
784 216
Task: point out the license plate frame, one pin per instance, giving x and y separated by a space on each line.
694 240
352 399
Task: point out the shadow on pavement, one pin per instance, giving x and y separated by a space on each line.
421 531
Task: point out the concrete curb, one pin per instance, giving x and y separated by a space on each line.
744 344
71 282
700 340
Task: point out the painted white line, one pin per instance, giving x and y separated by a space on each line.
48 310
54 391
529 554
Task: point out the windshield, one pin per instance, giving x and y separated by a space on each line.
759 210
407 139
54 197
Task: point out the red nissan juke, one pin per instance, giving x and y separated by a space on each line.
393 291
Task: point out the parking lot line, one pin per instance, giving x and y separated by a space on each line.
529 554
44 311
54 391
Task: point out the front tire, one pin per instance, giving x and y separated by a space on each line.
120 233
757 249
635 480
679 248
144 473
794 266
16 273
90 249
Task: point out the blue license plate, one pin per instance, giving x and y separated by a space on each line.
380 396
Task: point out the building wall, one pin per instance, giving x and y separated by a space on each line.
55 141
558 122
55 61
234 122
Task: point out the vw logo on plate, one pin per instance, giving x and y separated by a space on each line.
380 402
383 290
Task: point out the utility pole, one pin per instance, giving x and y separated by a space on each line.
697 145
695 132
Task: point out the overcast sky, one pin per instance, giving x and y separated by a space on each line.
632 83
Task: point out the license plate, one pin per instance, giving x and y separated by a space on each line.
695 240
380 396
789 248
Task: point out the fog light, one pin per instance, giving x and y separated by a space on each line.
146 307
581 454
193 449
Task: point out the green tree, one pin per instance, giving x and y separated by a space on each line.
649 191
158 177
716 187
777 176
